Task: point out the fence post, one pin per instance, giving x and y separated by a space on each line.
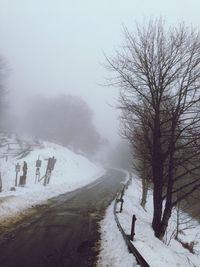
16 175
17 170
133 227
122 193
121 207
46 177
37 172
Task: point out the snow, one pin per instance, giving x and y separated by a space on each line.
114 252
71 172
156 253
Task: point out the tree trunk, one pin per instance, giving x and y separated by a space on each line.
165 220
145 187
157 170
177 221
157 201
168 205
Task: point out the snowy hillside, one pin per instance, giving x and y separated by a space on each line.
166 254
71 172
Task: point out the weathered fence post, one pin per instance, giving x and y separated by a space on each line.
45 178
50 167
17 170
121 207
48 172
50 163
121 199
37 172
22 180
133 227
122 193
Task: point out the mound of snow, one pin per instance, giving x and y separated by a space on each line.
71 172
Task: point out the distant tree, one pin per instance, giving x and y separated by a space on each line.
66 120
158 71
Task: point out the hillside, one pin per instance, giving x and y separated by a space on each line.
71 172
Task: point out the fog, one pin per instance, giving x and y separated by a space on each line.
56 47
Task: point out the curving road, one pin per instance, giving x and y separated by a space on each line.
64 232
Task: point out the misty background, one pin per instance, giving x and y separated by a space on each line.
53 51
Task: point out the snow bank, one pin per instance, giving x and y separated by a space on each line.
114 251
71 172
155 252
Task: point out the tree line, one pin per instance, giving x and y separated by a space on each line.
64 119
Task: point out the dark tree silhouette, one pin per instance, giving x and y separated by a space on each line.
66 120
158 71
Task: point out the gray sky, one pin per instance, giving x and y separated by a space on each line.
55 46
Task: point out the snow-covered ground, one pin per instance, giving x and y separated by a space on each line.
169 254
71 172
114 252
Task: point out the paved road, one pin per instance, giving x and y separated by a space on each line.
65 231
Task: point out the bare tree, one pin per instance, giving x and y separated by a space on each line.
138 137
158 71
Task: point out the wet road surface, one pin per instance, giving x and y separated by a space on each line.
64 232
